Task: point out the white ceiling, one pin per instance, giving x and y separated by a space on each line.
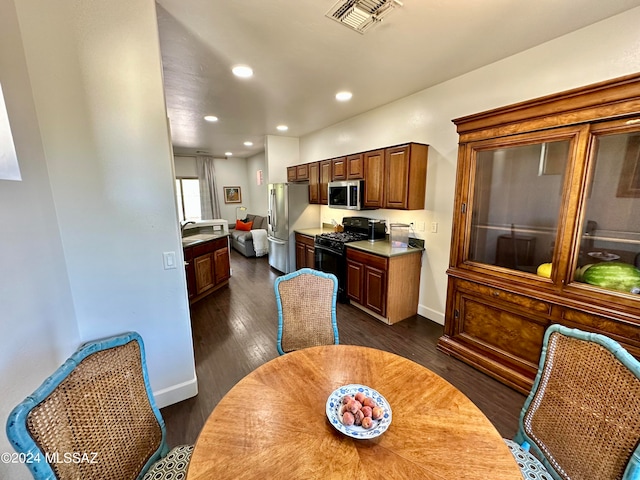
301 59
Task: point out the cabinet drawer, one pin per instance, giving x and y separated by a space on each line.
210 246
369 259
497 294
305 239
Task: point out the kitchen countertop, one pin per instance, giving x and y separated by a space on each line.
312 232
190 240
383 248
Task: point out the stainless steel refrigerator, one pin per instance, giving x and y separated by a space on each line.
289 210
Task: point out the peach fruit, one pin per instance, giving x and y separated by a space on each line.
346 399
367 411
377 413
360 396
347 418
367 422
359 416
368 402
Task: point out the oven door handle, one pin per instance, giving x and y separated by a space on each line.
324 248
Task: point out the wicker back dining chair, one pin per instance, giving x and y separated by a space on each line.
582 417
306 301
95 418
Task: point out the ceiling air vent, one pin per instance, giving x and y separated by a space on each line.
360 15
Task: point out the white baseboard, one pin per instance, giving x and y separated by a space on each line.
176 393
437 317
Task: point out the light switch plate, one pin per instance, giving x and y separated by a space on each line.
169 260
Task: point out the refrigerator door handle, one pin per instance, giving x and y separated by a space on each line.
273 240
272 220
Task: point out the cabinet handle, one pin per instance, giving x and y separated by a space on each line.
495 294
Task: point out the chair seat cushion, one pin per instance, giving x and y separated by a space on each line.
173 466
530 466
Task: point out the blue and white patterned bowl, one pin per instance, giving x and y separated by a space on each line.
334 402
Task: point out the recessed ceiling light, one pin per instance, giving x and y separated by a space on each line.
211 118
282 128
228 154
248 144
343 96
243 71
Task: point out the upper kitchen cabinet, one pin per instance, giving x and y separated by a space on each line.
355 166
546 227
325 178
373 196
314 183
396 177
405 173
298 173
348 168
339 168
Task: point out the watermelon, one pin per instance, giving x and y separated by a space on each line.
613 275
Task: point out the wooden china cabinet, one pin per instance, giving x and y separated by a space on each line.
546 190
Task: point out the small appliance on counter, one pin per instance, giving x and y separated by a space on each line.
376 230
399 235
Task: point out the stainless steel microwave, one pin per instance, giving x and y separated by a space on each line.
346 194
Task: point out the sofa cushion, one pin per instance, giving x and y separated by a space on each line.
240 225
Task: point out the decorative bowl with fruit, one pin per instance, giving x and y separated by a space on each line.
358 411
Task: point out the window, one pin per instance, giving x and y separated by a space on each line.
188 198
9 169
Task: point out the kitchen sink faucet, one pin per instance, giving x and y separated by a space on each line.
184 225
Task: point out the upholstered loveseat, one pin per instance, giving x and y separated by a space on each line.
242 240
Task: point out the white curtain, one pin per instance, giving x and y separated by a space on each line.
208 191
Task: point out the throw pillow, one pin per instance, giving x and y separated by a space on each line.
243 226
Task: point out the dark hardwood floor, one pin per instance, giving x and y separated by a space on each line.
234 331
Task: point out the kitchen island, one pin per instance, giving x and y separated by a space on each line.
207 261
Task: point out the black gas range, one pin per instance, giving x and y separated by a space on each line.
330 248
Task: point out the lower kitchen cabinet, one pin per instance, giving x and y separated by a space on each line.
386 286
207 267
305 251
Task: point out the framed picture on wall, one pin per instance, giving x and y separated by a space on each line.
232 195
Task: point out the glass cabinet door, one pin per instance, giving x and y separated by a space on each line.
609 253
517 194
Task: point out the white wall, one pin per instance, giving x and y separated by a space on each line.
608 49
84 232
281 152
259 200
238 172
38 321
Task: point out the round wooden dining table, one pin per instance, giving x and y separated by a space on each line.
272 425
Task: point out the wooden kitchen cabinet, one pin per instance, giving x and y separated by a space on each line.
355 166
207 267
314 183
545 182
339 168
386 286
298 173
396 177
325 178
305 251
373 196
405 176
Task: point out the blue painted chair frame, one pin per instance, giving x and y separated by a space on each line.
334 296
632 469
16 428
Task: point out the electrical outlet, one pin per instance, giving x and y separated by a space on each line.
434 227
